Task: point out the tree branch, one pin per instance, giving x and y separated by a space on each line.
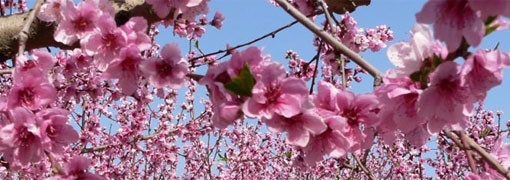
337 45
23 34
272 34
41 33
471 144
363 168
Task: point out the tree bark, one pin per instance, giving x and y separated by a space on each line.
41 33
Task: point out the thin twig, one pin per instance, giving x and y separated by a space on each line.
317 58
23 35
54 164
337 45
272 34
6 71
363 168
486 156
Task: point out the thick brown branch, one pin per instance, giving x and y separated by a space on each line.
41 33
337 45
23 34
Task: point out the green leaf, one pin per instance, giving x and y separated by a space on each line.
489 20
223 158
196 44
416 76
242 84
490 29
437 61
288 154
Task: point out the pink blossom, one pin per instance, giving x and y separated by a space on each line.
39 67
445 101
218 20
56 132
21 139
51 10
491 7
77 169
453 19
408 57
106 43
77 22
136 29
398 98
273 93
331 142
482 71
359 111
125 68
299 127
163 7
168 70
33 92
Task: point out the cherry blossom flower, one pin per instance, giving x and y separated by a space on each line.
299 127
360 112
51 10
136 29
21 139
446 101
168 70
482 71
409 56
163 7
33 92
125 68
106 43
218 20
273 93
331 142
78 22
56 132
38 67
398 98
77 169
452 21
491 8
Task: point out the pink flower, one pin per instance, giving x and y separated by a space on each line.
491 7
453 19
251 56
359 111
106 43
136 29
218 20
56 132
125 68
398 98
408 57
445 101
39 67
331 142
77 22
77 169
482 71
168 70
163 7
33 92
51 10
299 127
21 139
273 93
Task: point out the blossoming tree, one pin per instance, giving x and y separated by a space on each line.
262 118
